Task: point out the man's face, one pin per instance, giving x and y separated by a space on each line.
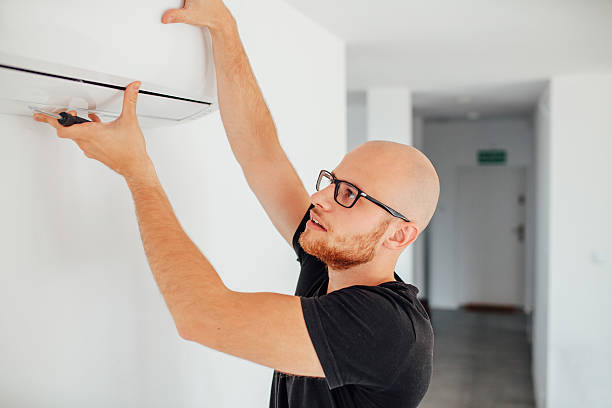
342 251
352 235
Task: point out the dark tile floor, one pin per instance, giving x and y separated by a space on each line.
481 360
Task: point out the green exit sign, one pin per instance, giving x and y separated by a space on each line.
491 157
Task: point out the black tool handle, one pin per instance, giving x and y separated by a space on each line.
69 120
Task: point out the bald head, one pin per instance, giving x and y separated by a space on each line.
396 174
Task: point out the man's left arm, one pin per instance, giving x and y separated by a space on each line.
263 327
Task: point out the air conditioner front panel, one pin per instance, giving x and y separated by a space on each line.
26 83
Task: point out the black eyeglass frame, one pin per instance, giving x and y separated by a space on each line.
360 193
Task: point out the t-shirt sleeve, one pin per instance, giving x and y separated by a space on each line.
360 334
299 251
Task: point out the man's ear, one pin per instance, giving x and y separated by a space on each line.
405 234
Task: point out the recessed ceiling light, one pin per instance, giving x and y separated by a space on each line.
473 115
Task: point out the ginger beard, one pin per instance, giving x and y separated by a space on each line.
344 252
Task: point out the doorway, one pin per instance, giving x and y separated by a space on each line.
490 236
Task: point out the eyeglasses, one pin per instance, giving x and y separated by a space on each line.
347 194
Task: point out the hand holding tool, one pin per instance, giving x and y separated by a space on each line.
64 118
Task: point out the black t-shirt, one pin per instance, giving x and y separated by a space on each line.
375 343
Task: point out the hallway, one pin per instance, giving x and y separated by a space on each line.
481 360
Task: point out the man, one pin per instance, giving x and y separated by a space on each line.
355 334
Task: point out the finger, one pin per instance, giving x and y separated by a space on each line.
72 112
47 119
174 16
94 117
130 97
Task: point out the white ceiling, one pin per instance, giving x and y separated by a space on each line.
443 44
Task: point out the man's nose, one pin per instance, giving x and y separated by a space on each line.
324 198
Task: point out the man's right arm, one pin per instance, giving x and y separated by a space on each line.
249 126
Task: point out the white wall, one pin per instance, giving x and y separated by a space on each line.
542 219
420 279
454 143
83 322
389 114
357 119
579 269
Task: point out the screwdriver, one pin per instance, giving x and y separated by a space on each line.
64 118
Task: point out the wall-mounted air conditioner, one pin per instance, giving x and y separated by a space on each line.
27 84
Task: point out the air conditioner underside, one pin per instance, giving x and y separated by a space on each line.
27 84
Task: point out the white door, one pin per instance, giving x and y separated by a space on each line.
489 235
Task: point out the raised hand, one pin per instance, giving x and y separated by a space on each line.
202 13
